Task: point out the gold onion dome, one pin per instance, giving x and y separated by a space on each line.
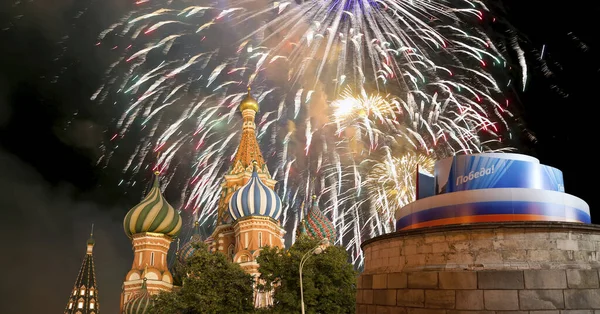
153 214
140 303
249 103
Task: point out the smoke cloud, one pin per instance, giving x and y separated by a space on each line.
45 230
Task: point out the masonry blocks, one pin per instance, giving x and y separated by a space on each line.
477 269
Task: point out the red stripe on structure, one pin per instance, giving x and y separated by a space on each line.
487 218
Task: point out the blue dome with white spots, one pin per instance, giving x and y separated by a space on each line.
254 199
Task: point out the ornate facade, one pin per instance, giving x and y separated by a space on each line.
248 209
84 297
247 220
151 225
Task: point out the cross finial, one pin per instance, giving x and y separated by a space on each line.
156 172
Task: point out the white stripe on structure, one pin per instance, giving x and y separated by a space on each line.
238 201
263 200
250 202
494 195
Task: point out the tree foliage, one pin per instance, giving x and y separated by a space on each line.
329 280
211 284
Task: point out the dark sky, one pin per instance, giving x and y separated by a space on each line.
52 192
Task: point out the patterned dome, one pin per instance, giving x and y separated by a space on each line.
140 302
249 103
254 199
153 214
317 225
188 249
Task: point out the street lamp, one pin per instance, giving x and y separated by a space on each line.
316 250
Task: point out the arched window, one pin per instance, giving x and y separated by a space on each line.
230 250
152 259
91 292
82 292
259 239
92 305
80 304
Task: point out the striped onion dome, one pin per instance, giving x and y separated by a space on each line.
317 225
153 214
254 199
140 303
187 250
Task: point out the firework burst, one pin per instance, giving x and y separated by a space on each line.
424 72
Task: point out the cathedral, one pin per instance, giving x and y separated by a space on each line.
247 220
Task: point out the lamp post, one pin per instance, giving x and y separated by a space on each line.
316 250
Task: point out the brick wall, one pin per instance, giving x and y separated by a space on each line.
528 268
574 291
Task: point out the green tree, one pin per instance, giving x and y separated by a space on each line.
329 280
211 284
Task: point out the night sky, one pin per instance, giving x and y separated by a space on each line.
51 190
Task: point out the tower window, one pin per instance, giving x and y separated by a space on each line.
70 305
80 305
91 293
152 259
259 239
82 292
92 306
230 250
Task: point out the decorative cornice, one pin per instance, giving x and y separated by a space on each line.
151 235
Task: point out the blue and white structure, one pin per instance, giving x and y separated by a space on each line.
492 187
255 199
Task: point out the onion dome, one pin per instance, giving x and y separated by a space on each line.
187 250
153 214
140 303
254 199
317 225
249 103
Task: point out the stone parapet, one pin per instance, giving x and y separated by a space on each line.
416 271
516 246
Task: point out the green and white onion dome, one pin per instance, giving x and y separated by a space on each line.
153 214
140 303
255 199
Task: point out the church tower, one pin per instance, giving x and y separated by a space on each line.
84 297
151 225
249 208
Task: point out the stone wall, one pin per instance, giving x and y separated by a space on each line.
545 268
